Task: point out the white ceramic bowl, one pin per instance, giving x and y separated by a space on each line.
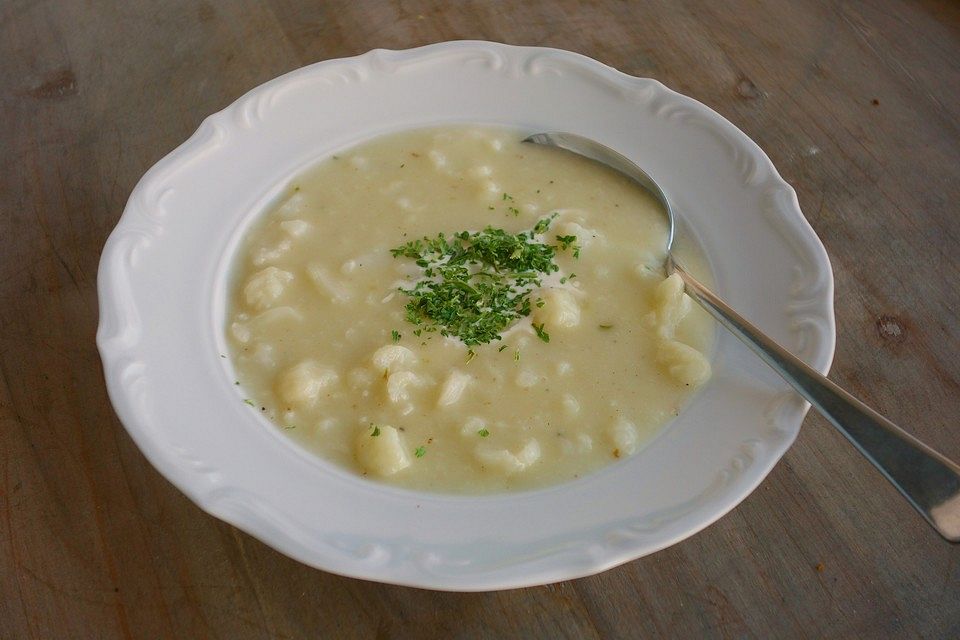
162 299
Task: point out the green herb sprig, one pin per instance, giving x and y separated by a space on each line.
477 284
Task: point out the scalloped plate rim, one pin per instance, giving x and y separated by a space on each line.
181 478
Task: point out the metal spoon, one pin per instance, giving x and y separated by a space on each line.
927 479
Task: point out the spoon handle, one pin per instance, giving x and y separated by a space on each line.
927 479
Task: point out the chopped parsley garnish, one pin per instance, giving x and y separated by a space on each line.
566 242
249 402
471 354
543 335
396 335
483 433
507 196
514 210
502 347
606 326
420 451
477 284
375 432
544 224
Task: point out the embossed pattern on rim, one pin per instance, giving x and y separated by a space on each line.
161 310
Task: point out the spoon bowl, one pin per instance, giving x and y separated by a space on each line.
605 155
926 478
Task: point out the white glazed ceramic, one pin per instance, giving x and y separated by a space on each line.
162 299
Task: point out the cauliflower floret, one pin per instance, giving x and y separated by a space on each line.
267 254
295 228
302 384
624 436
506 461
685 364
399 385
295 204
646 271
585 237
265 287
240 332
262 354
328 285
560 309
393 357
671 304
453 387
380 450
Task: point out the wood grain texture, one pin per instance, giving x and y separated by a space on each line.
858 105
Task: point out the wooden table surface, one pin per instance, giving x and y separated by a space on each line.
858 105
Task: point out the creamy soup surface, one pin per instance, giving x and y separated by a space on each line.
331 340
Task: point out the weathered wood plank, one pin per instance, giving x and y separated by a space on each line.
858 105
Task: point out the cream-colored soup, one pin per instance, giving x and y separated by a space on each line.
323 343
